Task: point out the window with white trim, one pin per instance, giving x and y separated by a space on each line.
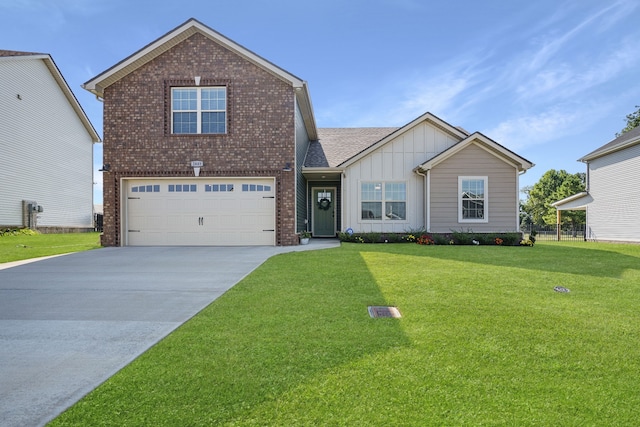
383 201
472 199
199 110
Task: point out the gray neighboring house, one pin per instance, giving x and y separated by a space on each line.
46 147
613 191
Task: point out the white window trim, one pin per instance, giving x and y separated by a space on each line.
486 200
383 201
199 109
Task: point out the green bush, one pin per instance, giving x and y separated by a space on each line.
17 232
420 236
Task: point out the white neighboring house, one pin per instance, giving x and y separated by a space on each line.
613 191
46 147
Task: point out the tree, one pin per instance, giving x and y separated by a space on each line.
553 186
633 121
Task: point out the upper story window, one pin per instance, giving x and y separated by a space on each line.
472 202
383 201
199 110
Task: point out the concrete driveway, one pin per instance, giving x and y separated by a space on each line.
68 323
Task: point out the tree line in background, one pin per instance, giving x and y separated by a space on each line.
633 121
555 185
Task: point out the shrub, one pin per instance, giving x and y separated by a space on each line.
423 238
17 232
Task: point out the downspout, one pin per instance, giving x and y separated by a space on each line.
342 213
427 198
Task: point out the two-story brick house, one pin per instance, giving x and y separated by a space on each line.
207 143
203 144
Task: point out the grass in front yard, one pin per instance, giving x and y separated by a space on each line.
484 340
19 247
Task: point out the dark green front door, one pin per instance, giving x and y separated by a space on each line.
324 212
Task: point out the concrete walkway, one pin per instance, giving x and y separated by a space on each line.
68 323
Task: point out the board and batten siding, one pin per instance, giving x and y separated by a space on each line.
394 161
614 184
47 154
502 199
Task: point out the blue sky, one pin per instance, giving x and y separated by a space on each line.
550 79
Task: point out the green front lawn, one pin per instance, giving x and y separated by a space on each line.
26 246
484 340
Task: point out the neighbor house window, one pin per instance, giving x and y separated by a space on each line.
383 201
472 202
199 110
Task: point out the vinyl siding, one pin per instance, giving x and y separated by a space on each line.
46 150
394 161
614 184
302 145
502 189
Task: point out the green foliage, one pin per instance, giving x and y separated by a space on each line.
28 244
17 232
633 121
424 238
483 340
553 186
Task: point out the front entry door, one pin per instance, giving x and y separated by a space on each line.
324 212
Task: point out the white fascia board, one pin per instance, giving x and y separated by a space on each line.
598 154
303 98
576 201
486 144
425 117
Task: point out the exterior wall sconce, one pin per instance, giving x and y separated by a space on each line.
287 167
105 168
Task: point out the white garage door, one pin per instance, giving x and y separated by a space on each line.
200 212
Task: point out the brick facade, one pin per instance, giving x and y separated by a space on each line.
260 136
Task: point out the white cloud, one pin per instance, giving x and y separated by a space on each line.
526 131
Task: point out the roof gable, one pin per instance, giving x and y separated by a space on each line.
456 132
182 33
62 83
627 139
488 144
171 39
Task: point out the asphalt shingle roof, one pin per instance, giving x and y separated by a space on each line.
612 145
336 145
16 53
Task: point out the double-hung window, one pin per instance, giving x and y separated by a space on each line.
383 201
199 110
472 199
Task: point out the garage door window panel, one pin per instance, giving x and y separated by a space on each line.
218 188
145 189
182 188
